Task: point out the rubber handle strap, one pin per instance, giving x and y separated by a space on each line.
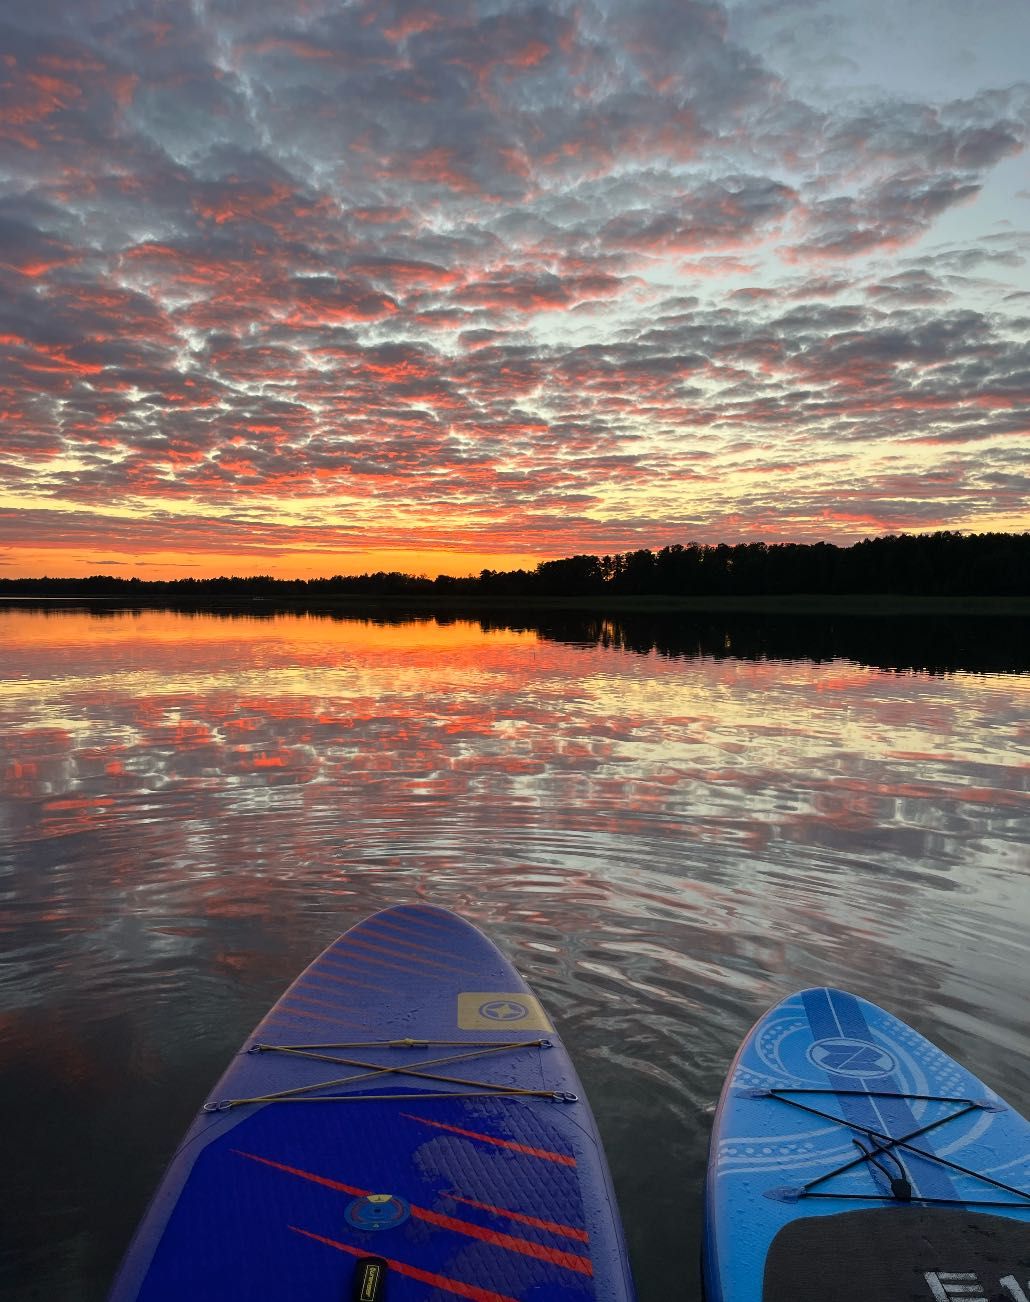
369 1280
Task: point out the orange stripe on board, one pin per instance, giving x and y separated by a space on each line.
302 1014
395 935
554 1227
326 985
492 1139
413 1272
570 1260
300 994
283 1024
432 923
556 1256
404 928
307 1175
363 959
341 998
349 964
321 974
327 971
382 948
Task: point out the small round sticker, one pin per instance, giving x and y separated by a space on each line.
855 1059
377 1212
504 1010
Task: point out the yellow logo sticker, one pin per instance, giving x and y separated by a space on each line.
500 1010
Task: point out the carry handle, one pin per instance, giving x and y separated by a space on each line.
369 1280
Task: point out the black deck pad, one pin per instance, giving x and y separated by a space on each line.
900 1254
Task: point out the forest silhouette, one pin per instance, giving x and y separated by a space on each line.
943 564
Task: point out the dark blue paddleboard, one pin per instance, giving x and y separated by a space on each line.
404 1125
854 1161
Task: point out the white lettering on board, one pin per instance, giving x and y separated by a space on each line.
947 1285
965 1286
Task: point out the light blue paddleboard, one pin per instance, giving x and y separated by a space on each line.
404 1126
854 1161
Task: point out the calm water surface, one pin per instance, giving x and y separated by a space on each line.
193 806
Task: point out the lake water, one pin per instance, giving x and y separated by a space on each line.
668 824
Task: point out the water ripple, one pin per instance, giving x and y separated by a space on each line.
192 808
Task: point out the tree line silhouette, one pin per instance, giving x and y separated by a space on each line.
940 564
923 643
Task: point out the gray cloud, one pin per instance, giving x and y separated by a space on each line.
490 260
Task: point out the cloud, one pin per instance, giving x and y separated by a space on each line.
883 216
473 274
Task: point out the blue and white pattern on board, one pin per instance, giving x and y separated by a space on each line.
773 1160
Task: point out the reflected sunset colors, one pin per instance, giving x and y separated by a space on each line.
193 806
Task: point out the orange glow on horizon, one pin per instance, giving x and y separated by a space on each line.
75 563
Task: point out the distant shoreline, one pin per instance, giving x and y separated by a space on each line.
873 605
897 574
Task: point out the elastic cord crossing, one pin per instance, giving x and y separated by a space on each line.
901 1189
900 1186
471 1088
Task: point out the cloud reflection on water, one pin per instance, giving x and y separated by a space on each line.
193 806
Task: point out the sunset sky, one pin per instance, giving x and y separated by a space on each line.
323 286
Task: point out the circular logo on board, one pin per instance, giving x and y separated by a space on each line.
503 1010
377 1212
856 1059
